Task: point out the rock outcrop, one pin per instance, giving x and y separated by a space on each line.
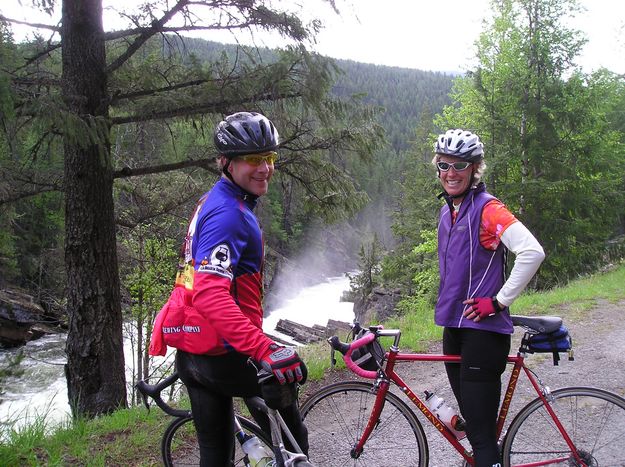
377 307
22 319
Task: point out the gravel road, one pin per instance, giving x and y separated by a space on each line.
599 352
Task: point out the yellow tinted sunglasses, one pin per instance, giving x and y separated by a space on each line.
257 159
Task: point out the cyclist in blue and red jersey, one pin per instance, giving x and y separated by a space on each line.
222 276
475 231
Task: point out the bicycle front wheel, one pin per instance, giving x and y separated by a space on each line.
180 447
594 419
337 415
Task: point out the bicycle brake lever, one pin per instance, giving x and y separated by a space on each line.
144 396
263 375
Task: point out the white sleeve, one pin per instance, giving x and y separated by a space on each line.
528 256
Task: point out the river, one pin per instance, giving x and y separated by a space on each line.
41 391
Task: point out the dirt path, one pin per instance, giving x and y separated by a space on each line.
599 352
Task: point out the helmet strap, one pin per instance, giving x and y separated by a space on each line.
225 170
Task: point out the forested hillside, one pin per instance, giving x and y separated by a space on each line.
403 93
32 255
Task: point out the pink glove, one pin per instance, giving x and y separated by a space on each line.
481 307
284 363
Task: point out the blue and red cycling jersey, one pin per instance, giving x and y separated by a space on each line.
221 269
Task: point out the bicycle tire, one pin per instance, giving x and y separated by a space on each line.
179 445
593 418
337 415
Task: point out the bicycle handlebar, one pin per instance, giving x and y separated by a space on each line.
154 391
348 348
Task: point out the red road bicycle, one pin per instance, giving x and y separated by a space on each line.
361 423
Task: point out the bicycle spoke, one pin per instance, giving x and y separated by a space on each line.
336 421
592 418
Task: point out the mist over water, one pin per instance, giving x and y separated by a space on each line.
313 305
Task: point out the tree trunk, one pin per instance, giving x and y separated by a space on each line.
95 359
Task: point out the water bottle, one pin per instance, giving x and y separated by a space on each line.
445 414
257 454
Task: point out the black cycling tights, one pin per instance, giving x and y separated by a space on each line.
476 383
211 383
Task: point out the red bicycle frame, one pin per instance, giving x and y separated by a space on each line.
388 374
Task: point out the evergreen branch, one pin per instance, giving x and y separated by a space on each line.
32 25
18 187
145 35
23 81
113 35
304 183
14 196
231 80
153 214
151 92
213 107
207 164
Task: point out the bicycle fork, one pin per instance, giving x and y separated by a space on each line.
380 388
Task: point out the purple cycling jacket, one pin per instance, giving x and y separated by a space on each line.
467 269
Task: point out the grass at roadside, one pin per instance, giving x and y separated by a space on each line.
132 437
125 438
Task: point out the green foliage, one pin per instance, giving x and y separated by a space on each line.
147 273
39 226
362 283
8 257
126 437
412 265
552 154
150 277
416 321
580 294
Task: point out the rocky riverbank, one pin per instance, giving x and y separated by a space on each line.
23 318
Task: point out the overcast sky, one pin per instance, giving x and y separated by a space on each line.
423 34
436 34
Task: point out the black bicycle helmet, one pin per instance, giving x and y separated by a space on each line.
245 133
460 143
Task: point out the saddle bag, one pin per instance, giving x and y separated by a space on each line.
550 342
370 356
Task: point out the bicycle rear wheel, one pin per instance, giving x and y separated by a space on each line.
593 418
337 415
179 446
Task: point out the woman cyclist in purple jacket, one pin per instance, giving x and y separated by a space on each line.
475 230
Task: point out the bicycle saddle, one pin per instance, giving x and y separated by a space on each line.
538 323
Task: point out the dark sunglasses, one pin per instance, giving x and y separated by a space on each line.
458 166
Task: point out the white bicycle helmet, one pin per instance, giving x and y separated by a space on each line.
460 143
